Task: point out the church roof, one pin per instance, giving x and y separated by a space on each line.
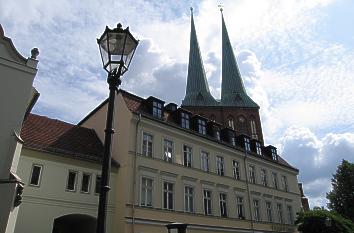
61 138
197 92
233 92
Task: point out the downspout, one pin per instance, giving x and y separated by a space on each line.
134 171
248 191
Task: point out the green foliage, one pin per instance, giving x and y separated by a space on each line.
323 221
341 198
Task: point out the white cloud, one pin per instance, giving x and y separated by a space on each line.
317 158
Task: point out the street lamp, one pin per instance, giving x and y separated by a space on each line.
177 227
117 47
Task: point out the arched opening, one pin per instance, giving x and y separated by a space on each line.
74 223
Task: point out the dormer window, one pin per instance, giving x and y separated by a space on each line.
274 154
258 148
201 126
233 140
217 135
157 109
247 144
230 122
184 120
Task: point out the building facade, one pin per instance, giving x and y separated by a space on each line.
17 96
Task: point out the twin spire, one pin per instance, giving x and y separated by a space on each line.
233 92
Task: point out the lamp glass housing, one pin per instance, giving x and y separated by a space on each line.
117 47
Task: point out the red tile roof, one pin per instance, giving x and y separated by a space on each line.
51 135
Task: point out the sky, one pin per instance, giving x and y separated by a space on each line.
296 58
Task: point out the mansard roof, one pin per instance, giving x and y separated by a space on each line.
233 92
197 91
61 138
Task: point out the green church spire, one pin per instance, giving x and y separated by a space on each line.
233 92
197 92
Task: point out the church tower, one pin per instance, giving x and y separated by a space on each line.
235 109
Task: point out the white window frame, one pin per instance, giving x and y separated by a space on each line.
187 154
209 201
264 180
185 120
168 149
75 182
204 161
220 165
259 148
252 174
157 109
290 215
189 199
240 202
168 192
269 210
146 152
280 213
144 195
284 181
38 183
223 205
201 126
89 182
256 210
236 169
247 143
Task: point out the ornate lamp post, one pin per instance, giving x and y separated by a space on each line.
177 227
117 47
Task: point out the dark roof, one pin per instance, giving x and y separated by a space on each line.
61 138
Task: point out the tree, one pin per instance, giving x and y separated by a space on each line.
341 198
323 221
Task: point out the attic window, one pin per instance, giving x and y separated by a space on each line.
247 144
157 109
201 126
274 154
185 120
258 148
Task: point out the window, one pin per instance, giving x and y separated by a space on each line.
256 211
168 195
204 161
98 185
274 154
230 122
280 213
217 134
146 192
187 156
85 183
207 202
236 169
157 109
247 144
258 148
201 126
71 182
275 180
36 174
233 139
269 211
220 165
284 182
253 129
185 120
240 208
290 214
168 150
188 199
252 177
223 207
147 144
264 177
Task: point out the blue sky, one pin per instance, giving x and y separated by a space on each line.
296 58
